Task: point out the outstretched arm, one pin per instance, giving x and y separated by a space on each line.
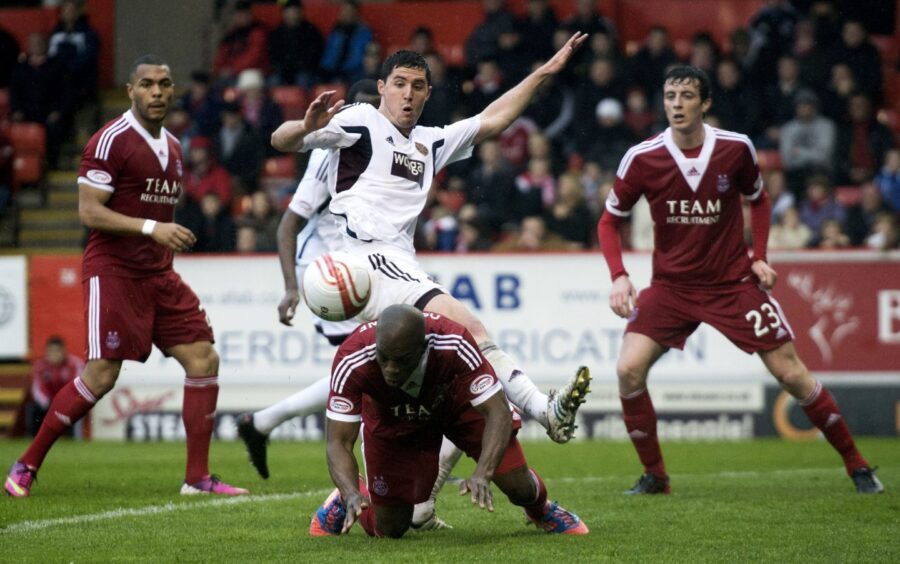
288 228
289 136
505 109
344 470
497 429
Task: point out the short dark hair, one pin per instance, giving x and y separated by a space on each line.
406 59
56 340
364 87
149 59
687 73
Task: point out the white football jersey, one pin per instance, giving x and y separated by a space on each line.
380 179
321 234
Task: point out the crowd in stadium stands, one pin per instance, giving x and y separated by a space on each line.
806 87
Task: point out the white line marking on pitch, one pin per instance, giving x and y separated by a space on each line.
723 474
30 526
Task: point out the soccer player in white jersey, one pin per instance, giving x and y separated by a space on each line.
379 185
307 231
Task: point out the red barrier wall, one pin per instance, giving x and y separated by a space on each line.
54 289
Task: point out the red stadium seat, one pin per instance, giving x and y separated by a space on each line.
4 102
27 169
28 137
847 196
340 91
769 159
291 99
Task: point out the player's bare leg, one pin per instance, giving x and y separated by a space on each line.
424 516
822 411
555 412
71 404
254 428
637 355
201 392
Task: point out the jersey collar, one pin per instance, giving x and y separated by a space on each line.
692 169
159 146
413 384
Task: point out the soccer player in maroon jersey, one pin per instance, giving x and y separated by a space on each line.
129 181
410 378
694 177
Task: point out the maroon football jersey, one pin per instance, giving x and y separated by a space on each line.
452 376
695 204
144 175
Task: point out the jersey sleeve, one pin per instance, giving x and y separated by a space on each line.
312 191
454 142
344 129
345 394
625 191
749 177
100 161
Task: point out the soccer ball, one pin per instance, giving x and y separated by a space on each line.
336 286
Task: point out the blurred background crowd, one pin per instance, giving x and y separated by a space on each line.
806 83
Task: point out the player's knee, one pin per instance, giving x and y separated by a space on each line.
393 529
205 362
100 377
631 375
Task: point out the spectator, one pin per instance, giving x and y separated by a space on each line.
813 60
569 215
639 119
609 139
9 52
201 104
512 56
832 235
536 188
734 101
648 66
245 240
445 93
552 108
602 83
835 98
532 236
588 19
859 54
263 219
514 142
540 146
888 180
779 196
778 101
7 157
491 187
807 141
75 47
704 53
739 50
790 232
862 143
205 176
36 94
345 46
372 60
537 27
482 43
422 41
48 375
295 48
861 217
258 109
217 232
885 234
819 205
239 149
771 32
243 47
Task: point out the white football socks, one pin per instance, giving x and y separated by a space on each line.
311 399
519 388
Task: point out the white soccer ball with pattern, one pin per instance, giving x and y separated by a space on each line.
336 286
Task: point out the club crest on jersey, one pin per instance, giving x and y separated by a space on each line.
380 486
722 184
112 340
422 149
408 168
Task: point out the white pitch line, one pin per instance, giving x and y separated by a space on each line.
30 526
722 474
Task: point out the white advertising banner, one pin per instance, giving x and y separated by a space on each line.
549 312
13 307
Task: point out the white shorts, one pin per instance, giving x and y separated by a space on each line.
396 279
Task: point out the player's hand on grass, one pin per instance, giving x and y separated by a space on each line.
320 112
173 236
354 504
288 307
480 490
766 274
622 296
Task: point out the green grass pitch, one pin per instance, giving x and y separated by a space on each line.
754 501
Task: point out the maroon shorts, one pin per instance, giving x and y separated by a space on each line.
126 316
402 472
748 316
